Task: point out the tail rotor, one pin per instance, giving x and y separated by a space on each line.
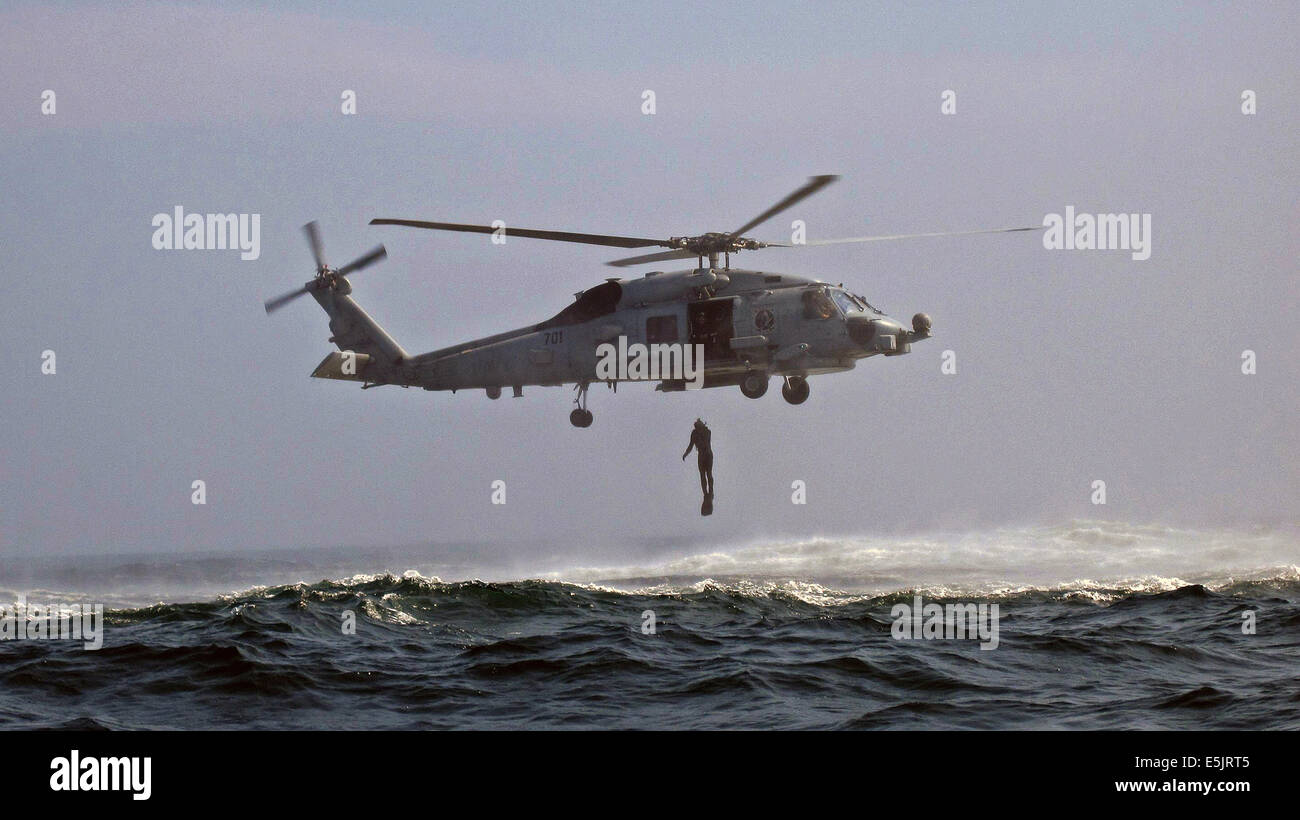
326 277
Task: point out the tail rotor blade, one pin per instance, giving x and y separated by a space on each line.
364 261
280 301
317 248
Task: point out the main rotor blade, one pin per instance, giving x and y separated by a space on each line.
364 261
280 301
812 186
661 256
313 239
558 236
896 236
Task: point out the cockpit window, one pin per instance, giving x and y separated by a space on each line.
817 305
846 302
867 304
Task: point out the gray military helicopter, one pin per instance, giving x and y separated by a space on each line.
753 325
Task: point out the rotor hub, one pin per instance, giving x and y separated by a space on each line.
714 243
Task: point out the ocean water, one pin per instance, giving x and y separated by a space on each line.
1100 626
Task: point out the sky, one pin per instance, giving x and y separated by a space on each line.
1071 366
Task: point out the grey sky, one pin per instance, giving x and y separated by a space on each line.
1071 366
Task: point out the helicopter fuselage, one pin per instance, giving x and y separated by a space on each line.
749 325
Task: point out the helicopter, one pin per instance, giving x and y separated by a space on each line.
748 325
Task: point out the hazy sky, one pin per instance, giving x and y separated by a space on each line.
1071 366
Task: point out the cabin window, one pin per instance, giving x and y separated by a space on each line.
661 329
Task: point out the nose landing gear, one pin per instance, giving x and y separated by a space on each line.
581 416
796 389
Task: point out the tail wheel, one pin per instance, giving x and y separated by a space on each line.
581 416
754 385
796 390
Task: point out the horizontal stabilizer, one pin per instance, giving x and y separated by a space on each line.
344 365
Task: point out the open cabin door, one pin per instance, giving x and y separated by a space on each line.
710 324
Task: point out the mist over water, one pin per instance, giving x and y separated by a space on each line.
1078 554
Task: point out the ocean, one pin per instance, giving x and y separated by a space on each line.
1099 625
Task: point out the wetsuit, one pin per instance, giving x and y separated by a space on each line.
701 438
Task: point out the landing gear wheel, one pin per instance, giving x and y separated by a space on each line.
754 385
795 390
581 416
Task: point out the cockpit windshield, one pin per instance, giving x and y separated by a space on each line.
846 302
866 305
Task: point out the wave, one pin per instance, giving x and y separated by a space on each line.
412 599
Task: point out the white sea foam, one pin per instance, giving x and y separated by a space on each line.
1083 556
